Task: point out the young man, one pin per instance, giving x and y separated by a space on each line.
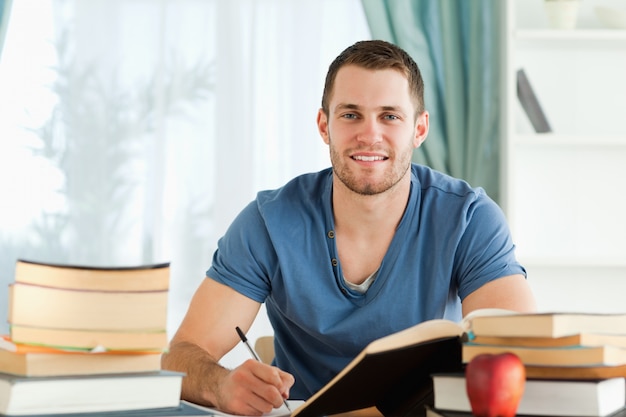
349 254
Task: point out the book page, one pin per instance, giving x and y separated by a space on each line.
431 330
422 332
277 412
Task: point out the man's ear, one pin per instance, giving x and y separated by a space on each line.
421 129
322 125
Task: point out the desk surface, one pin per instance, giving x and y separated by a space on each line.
366 412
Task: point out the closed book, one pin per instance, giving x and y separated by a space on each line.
553 356
89 393
581 339
575 372
153 277
435 412
548 324
589 398
91 338
183 409
26 360
39 306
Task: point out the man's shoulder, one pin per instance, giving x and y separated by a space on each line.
302 188
430 180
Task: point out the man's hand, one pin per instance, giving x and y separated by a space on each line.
206 334
253 388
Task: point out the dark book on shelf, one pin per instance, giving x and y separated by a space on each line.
530 104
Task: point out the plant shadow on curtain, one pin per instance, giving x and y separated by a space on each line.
108 127
456 45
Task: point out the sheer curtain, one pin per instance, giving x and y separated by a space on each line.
133 131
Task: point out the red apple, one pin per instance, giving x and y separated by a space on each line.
495 384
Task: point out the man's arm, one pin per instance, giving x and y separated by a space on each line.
511 292
206 334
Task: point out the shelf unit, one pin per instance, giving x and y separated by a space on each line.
564 192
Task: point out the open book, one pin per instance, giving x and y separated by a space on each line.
393 373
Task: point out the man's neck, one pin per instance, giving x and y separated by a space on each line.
362 213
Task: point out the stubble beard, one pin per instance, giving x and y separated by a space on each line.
360 184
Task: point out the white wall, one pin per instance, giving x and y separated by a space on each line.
591 289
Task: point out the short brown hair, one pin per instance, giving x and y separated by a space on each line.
377 55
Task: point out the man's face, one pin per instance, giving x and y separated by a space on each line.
371 128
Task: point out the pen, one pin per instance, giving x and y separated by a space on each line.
244 339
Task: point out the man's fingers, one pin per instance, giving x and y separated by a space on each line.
276 383
287 382
267 385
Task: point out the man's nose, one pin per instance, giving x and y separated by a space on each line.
370 132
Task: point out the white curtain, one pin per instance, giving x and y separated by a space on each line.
133 131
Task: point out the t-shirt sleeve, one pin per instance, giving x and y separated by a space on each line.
486 250
243 254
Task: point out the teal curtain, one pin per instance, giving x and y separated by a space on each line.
456 44
5 8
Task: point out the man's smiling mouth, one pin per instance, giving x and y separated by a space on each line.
369 158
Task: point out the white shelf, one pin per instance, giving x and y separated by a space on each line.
554 139
573 262
575 35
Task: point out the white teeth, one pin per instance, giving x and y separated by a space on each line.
368 158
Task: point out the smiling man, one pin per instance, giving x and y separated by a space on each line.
350 254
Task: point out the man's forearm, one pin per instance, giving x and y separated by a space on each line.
202 372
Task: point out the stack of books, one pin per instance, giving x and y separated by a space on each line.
86 340
575 363
89 308
555 345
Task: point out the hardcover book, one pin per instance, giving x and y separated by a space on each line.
28 360
435 412
91 339
62 308
89 393
554 356
590 398
153 277
549 325
581 339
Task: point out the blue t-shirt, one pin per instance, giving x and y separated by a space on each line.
281 250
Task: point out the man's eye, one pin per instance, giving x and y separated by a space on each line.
391 117
349 116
